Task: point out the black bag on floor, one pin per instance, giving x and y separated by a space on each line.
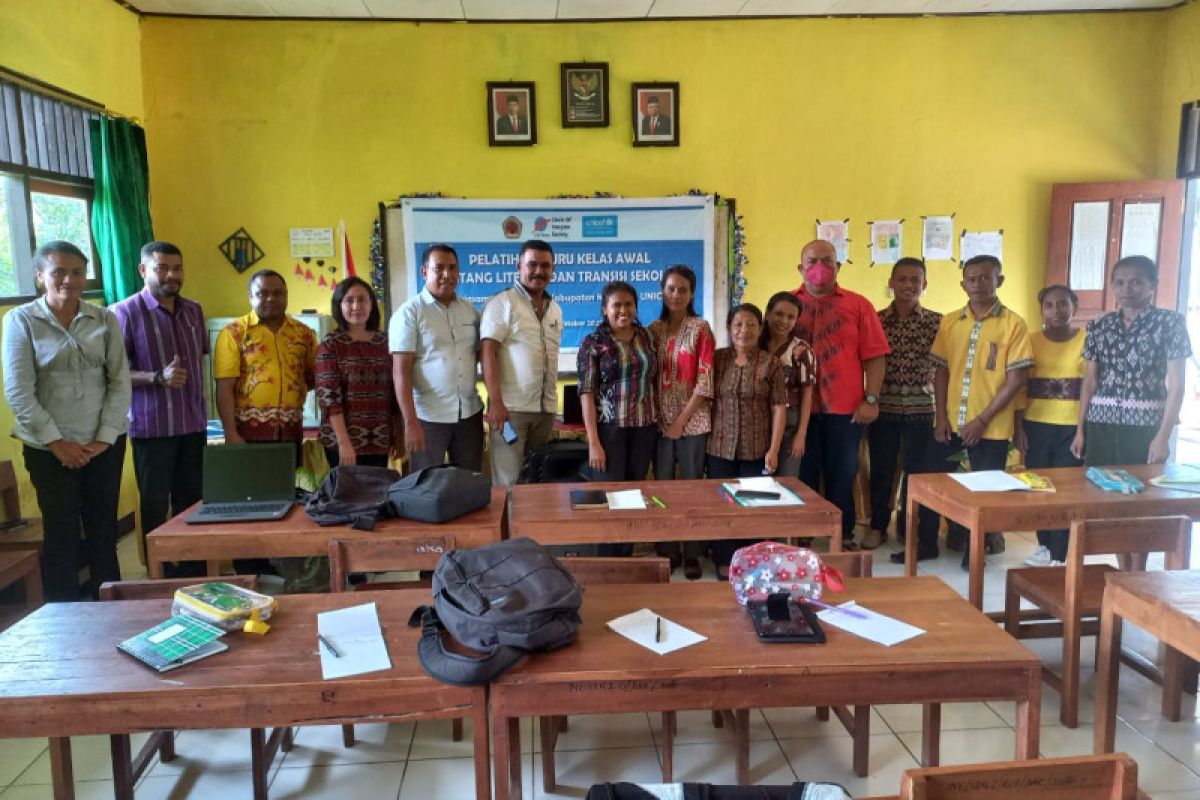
439 494
354 495
707 791
556 462
503 600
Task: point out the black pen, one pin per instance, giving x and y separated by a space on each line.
325 643
658 629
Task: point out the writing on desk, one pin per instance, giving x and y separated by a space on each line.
430 547
581 687
1014 783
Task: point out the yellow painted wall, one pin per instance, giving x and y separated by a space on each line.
271 125
1181 79
90 48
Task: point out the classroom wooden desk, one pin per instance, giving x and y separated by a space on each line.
61 675
1074 498
962 657
1165 605
694 510
297 535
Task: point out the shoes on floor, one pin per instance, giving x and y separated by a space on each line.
922 555
871 539
956 540
993 543
691 569
723 573
849 546
1040 557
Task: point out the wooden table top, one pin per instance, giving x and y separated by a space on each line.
695 510
1073 493
61 673
1171 595
957 636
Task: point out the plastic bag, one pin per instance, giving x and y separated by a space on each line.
767 568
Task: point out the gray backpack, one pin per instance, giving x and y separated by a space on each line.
503 600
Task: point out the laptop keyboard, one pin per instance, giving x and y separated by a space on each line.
239 508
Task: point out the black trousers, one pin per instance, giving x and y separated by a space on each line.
70 499
910 441
986 454
1108 445
366 459
723 549
627 454
1050 446
170 477
831 452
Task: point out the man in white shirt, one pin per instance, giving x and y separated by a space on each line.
434 340
521 330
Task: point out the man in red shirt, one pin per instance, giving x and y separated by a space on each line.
849 345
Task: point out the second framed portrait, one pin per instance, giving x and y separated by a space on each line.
511 114
656 115
584 95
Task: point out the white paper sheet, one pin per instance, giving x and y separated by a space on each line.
887 241
626 500
990 480
837 233
980 243
642 627
862 621
937 238
355 634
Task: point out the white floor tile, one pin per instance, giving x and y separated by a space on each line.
802 723
696 727
955 716
321 745
830 760
359 781
16 756
598 731
1180 739
220 750
1157 771
716 763
91 760
969 746
432 739
197 783
576 770
84 790
445 777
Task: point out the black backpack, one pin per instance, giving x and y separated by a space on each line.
439 494
707 791
354 495
502 599
560 461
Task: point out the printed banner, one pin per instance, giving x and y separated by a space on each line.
595 241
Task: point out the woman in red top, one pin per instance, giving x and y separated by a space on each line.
360 422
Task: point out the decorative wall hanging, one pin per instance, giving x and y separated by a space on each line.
584 95
240 250
655 114
511 114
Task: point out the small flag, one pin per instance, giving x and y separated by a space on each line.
299 271
321 282
308 276
348 270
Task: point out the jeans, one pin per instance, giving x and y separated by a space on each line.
910 441
170 475
1050 446
722 549
831 451
462 440
533 430
686 452
70 499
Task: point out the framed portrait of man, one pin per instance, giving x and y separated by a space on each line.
584 95
511 114
656 115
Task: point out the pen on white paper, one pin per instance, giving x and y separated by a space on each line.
354 635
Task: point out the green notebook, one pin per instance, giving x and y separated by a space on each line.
177 641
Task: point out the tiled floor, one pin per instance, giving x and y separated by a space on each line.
417 761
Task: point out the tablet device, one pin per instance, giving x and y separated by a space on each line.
780 618
756 494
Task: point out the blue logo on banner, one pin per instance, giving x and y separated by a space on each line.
600 227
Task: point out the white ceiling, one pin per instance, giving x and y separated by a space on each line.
490 10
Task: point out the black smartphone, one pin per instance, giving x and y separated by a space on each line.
798 624
756 494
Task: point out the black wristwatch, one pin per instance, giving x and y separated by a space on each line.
157 377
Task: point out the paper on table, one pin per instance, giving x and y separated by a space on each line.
626 500
764 484
869 624
990 480
642 627
355 634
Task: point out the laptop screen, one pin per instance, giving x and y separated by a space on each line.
235 473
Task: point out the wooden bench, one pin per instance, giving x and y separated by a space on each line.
1109 777
26 567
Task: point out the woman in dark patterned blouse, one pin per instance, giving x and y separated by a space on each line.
799 371
1133 380
748 414
360 421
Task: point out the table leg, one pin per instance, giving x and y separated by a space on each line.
741 744
976 565
1172 685
931 734
483 765
61 773
1107 675
122 765
910 535
862 740
33 588
506 754
1029 720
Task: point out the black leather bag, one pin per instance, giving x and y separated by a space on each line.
354 495
439 494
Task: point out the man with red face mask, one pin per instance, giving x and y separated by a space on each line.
849 344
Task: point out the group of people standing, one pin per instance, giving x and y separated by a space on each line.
790 395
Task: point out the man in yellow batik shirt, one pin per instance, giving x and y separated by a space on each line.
983 355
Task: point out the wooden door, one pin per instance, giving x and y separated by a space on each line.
1092 225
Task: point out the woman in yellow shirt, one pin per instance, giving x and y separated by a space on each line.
1053 389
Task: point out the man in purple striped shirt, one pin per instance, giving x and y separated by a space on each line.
166 343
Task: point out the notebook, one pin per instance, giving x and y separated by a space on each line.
174 642
245 482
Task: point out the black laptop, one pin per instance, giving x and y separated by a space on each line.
246 482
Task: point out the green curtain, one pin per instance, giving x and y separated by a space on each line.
121 208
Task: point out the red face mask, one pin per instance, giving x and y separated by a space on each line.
819 274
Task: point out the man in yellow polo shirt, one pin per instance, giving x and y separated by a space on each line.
264 364
983 355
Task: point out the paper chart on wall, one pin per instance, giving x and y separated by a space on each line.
887 243
837 233
937 239
981 243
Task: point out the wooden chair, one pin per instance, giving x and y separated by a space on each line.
1107 777
127 768
1072 593
590 571
24 566
386 554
